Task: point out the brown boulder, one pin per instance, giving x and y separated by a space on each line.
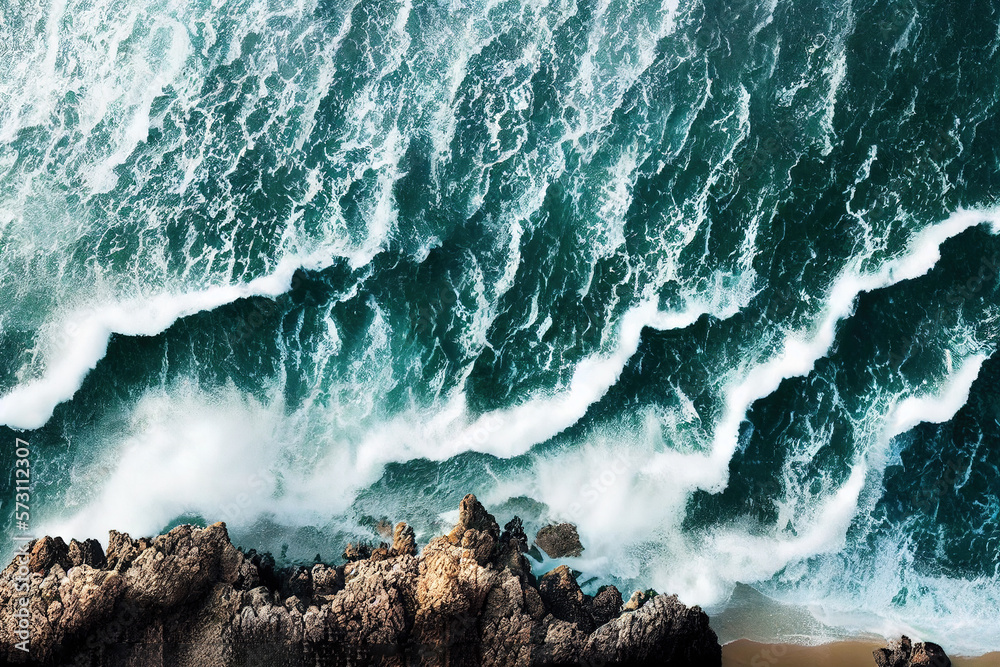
559 540
564 599
607 605
88 552
48 551
403 541
905 653
473 516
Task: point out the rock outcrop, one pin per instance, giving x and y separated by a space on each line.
190 598
905 653
559 540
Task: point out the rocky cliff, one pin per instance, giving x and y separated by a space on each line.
190 598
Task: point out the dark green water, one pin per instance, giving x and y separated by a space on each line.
716 281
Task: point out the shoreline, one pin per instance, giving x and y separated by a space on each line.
754 625
467 597
190 598
839 653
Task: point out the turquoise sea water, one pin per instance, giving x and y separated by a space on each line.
714 280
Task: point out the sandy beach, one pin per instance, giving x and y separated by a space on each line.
746 653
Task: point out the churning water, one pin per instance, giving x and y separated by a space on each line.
716 280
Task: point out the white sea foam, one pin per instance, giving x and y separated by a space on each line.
128 111
213 454
172 425
128 57
802 349
184 451
863 595
513 431
596 486
80 339
940 407
198 446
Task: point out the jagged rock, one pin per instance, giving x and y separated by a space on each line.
559 540
256 570
359 551
662 632
375 608
930 654
905 653
189 598
380 553
472 516
896 655
177 567
122 550
48 551
513 536
403 541
297 583
638 599
511 547
88 552
607 605
562 596
326 580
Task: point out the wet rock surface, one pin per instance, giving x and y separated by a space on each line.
559 540
190 598
905 653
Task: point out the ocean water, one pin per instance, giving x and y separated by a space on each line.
716 280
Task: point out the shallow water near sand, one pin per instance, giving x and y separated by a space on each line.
715 281
749 654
